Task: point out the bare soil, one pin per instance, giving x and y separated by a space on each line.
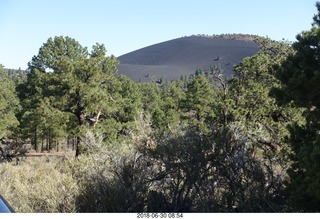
178 57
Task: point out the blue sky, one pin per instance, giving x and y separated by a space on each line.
126 25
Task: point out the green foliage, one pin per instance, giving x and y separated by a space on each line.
55 51
9 104
264 119
47 122
300 77
71 81
152 102
202 144
199 103
173 96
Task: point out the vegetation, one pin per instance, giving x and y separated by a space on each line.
206 143
300 77
9 104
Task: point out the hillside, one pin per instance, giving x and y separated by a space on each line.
182 56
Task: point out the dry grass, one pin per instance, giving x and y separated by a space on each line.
57 182
38 185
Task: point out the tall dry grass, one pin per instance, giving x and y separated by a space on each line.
53 184
38 185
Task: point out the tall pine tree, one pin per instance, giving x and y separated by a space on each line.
9 103
300 75
72 80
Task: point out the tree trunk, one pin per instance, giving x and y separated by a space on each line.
81 119
77 147
97 119
35 139
50 140
42 144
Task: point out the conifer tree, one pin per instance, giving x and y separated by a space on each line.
73 81
9 104
300 76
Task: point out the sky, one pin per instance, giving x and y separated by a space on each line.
127 25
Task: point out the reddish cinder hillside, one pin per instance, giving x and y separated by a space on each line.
174 58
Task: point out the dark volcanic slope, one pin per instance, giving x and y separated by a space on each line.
183 56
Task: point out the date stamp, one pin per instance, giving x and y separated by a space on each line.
159 215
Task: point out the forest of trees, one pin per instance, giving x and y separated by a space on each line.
249 143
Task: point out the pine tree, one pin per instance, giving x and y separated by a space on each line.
75 82
301 78
200 103
9 104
